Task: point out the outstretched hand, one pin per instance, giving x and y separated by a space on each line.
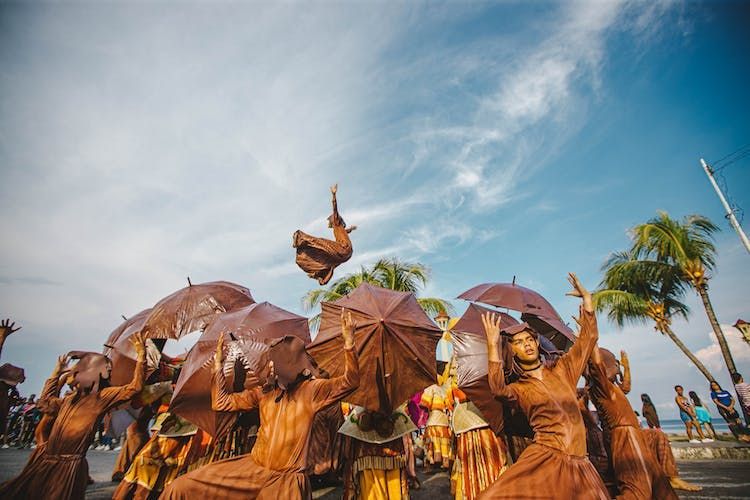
348 325
491 323
580 291
6 328
60 366
219 356
139 344
334 189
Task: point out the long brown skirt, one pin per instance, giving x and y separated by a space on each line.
658 443
239 478
637 474
53 477
543 473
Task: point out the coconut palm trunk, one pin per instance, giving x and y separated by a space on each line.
669 333
703 292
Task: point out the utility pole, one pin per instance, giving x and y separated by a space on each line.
730 213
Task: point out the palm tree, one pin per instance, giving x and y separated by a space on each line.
637 291
686 245
392 274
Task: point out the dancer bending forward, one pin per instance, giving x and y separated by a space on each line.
555 465
275 469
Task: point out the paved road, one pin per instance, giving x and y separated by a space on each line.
725 479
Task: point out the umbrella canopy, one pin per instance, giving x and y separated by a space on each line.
11 374
510 296
192 395
193 307
553 329
127 327
123 355
395 342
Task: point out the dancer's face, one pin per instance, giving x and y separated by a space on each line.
525 347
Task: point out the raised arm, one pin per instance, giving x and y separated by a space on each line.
334 204
49 400
116 395
574 361
6 328
221 399
329 391
625 363
495 373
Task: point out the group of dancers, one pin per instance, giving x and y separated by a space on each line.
571 454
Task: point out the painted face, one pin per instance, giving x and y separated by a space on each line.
525 347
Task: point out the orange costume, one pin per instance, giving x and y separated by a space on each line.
555 465
636 472
275 469
60 472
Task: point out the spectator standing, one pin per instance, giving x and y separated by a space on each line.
704 417
743 395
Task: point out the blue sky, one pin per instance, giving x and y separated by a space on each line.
140 144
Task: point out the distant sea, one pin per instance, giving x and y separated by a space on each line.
675 426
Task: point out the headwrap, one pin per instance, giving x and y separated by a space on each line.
90 371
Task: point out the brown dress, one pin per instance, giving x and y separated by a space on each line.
275 469
318 257
637 474
658 443
555 465
60 472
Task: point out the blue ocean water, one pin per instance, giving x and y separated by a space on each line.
675 426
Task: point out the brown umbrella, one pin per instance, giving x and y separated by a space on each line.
193 307
127 327
553 329
511 296
192 395
395 341
11 374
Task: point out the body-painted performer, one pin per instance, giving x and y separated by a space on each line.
318 257
637 474
6 328
555 465
649 412
61 471
276 468
658 443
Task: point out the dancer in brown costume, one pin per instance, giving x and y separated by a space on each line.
136 436
6 328
61 471
318 257
555 465
636 472
275 469
658 443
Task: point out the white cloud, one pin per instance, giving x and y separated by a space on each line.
711 356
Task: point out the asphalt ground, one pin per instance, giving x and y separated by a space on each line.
724 479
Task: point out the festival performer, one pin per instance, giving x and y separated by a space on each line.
595 447
61 471
136 436
318 257
636 472
658 443
438 438
377 460
649 412
276 467
6 386
555 465
481 457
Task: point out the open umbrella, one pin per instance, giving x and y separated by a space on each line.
395 342
192 308
192 395
127 328
510 296
123 355
551 328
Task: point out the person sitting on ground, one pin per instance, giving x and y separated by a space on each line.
743 395
725 403
704 417
649 412
687 415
